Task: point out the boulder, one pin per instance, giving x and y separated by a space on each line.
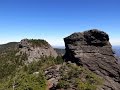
52 75
92 49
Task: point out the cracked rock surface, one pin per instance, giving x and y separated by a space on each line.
93 50
33 52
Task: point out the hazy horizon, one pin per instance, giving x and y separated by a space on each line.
54 20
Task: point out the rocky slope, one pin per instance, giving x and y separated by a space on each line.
92 49
35 49
22 64
34 65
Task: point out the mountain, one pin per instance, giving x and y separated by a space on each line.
20 60
36 49
60 51
92 50
22 68
86 63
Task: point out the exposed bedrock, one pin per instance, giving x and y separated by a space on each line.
93 50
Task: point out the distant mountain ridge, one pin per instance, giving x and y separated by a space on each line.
117 50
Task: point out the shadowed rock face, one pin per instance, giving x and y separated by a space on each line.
93 50
96 38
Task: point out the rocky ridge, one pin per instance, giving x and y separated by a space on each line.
35 61
36 49
92 50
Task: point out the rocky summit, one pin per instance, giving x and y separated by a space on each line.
35 49
88 64
92 49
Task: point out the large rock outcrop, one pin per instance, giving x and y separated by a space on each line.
36 49
93 50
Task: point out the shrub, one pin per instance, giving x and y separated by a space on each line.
77 77
38 42
25 81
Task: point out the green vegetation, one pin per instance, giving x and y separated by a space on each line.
23 77
42 64
9 62
16 75
38 42
79 78
24 81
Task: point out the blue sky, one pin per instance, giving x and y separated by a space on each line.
55 19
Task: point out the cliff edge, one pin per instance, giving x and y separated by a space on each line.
92 49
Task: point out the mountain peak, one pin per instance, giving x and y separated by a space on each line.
92 50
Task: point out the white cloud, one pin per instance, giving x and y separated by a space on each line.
115 41
58 41
55 42
4 41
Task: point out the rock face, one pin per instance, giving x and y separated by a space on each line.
35 49
52 75
93 50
